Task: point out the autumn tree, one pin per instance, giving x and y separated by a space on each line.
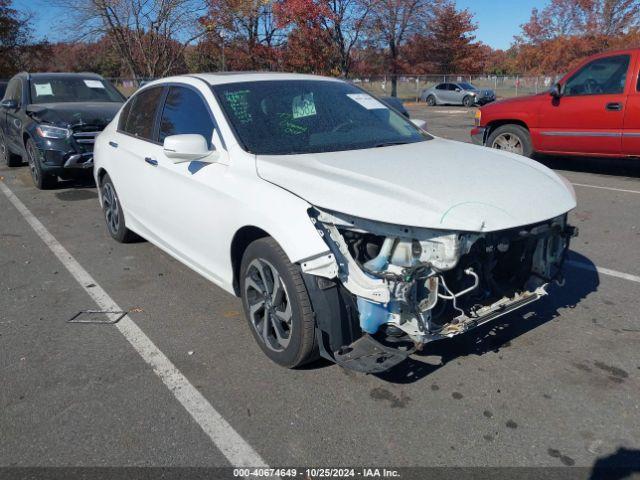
14 38
447 43
242 35
391 23
149 36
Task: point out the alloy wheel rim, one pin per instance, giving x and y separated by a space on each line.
111 213
509 143
268 304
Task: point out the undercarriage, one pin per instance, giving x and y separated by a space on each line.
411 286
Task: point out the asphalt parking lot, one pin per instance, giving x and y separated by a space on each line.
553 385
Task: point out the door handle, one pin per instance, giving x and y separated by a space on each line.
151 161
614 107
113 144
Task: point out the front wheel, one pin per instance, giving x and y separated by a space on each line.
468 101
511 138
41 179
277 305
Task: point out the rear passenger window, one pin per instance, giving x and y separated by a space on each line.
142 113
442 86
185 112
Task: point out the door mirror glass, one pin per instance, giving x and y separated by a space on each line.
556 91
419 123
458 89
9 103
187 147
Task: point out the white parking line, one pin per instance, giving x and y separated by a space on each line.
604 271
605 188
225 438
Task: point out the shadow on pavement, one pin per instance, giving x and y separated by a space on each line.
622 464
628 167
498 334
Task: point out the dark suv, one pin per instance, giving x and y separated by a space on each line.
51 121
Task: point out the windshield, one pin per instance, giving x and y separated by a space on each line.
467 86
283 117
72 89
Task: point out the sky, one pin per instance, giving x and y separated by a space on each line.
498 20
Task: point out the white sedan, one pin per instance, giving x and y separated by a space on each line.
348 232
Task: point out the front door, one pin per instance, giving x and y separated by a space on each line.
189 207
589 116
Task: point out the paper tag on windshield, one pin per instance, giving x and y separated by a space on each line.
43 89
304 106
94 83
367 101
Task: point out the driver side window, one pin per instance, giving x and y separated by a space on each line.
599 77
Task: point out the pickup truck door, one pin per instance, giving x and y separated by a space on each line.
631 132
589 116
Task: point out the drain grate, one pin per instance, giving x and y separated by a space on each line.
97 316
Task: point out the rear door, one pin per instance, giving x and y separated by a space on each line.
13 120
631 132
589 116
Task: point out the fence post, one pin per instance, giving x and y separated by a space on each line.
417 88
517 84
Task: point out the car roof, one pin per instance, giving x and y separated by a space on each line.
237 77
38 75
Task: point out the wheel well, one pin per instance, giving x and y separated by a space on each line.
101 173
25 137
241 240
498 123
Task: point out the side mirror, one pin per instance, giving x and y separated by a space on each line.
188 147
9 103
556 91
421 124
458 90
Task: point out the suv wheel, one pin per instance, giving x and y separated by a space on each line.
41 180
511 138
113 214
277 305
6 156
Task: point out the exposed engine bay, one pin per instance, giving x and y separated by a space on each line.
423 285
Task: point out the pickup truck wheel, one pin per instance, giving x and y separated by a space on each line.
8 158
431 101
277 305
41 180
511 138
467 101
113 214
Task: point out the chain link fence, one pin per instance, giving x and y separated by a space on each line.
409 87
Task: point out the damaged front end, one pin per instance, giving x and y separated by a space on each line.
398 288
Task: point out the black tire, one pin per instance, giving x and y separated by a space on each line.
467 101
431 101
10 159
517 132
41 179
262 301
113 214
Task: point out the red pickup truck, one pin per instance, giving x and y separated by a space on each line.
593 110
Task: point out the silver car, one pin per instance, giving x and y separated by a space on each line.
459 93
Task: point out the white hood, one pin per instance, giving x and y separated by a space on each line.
438 184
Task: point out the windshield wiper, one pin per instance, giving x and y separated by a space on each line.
389 144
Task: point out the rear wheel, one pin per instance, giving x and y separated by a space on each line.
41 179
511 138
277 305
6 156
431 101
113 214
